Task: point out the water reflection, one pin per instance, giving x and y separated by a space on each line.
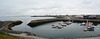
95 24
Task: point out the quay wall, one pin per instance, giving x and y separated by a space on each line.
43 21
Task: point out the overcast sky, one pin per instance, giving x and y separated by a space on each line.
43 7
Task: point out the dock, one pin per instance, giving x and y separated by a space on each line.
43 21
86 26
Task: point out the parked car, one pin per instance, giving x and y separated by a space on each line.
90 17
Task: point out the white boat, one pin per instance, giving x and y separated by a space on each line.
59 27
53 26
62 24
68 22
83 24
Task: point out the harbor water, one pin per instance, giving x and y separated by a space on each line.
45 30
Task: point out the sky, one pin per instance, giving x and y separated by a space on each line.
48 7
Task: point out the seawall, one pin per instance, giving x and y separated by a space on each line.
43 21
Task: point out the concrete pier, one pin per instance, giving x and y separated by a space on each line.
86 26
43 21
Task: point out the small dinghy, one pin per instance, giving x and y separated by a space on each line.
53 26
90 29
68 23
62 24
59 27
83 24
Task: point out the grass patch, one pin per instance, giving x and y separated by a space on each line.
10 26
7 36
2 33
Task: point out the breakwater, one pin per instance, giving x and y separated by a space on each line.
21 34
43 21
6 26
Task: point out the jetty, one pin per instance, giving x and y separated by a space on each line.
90 25
86 26
43 21
4 27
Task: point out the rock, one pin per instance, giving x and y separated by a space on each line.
1 24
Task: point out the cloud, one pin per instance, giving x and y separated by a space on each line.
59 11
88 1
41 7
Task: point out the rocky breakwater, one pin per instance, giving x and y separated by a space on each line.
1 24
6 26
43 21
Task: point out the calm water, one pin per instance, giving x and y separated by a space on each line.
45 30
